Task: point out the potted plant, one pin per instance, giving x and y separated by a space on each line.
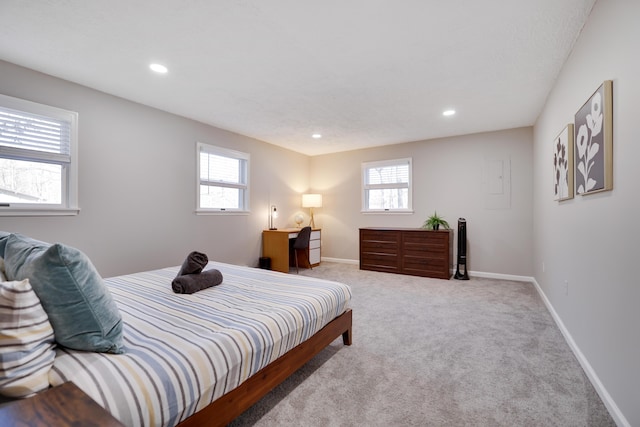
434 222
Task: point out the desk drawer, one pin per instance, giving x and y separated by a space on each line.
314 256
314 248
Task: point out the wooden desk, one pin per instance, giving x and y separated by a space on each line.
276 245
65 405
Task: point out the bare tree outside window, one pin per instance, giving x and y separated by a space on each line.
30 182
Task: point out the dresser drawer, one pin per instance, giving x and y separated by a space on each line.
379 235
424 266
379 247
379 262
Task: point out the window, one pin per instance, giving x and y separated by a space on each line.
386 186
223 180
38 161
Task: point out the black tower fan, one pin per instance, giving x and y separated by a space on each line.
461 270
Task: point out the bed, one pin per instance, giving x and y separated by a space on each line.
204 358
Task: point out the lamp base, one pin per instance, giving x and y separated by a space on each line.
312 223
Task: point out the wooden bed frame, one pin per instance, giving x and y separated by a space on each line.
223 410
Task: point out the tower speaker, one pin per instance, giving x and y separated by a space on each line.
461 270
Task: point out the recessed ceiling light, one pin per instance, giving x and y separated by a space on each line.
158 68
448 112
316 136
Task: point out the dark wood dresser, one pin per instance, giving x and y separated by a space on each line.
413 251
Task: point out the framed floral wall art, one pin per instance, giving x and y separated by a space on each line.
563 164
594 142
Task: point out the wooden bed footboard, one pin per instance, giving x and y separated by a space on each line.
223 410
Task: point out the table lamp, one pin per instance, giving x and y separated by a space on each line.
311 201
273 213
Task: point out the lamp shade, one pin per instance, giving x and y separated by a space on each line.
312 200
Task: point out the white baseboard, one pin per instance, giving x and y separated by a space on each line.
500 276
483 274
341 260
615 412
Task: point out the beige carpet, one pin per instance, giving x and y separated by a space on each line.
430 352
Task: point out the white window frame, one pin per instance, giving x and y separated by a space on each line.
223 152
69 182
366 186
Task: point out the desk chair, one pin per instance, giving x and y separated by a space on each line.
302 244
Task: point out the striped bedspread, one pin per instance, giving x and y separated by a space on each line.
185 351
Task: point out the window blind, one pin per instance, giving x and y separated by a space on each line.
27 136
214 168
388 174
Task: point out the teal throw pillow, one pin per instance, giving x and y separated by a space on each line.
81 309
4 236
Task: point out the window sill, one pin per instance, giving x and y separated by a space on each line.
39 212
220 212
389 211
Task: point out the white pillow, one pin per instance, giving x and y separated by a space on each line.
27 341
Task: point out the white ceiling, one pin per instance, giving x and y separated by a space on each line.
362 73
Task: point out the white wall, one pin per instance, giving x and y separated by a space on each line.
448 178
592 241
137 182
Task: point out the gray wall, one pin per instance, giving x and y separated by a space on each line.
137 182
592 241
137 188
136 215
449 177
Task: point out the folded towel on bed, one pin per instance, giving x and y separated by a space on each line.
190 283
194 263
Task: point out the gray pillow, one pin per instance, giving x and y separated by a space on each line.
4 235
81 309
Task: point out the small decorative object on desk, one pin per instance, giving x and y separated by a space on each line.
273 214
434 222
299 218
